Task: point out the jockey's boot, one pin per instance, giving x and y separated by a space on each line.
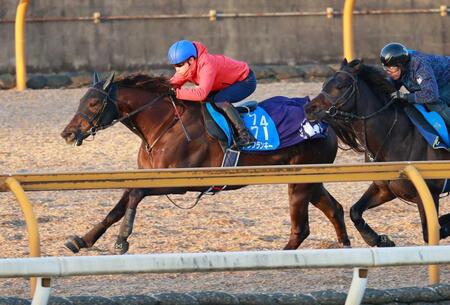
245 138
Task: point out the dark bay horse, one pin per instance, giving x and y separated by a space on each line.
356 102
143 104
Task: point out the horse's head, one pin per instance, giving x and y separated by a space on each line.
97 109
337 93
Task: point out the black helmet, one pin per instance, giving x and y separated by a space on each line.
394 54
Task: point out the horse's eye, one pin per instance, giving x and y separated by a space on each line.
93 102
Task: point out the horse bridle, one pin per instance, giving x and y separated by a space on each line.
93 122
339 101
352 91
93 127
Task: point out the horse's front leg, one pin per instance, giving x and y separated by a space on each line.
75 243
325 202
126 227
373 197
298 208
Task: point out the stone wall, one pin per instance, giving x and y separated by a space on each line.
61 46
264 74
436 295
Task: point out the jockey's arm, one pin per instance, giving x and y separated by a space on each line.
207 75
177 81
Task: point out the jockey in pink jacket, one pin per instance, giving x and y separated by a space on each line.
218 79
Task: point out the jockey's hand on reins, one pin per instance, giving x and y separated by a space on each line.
405 97
172 92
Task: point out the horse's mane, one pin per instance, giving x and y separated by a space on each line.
375 77
377 80
158 84
347 135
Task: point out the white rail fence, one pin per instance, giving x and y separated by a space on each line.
361 258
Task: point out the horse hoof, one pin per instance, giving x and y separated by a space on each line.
384 241
346 244
122 247
75 243
289 246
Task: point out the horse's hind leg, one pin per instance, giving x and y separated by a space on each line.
298 209
323 200
374 196
75 243
444 222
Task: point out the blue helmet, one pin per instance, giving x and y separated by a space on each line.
181 51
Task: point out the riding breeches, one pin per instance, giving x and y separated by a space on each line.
235 92
444 94
441 108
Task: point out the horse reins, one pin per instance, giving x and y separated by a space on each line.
148 147
334 112
93 129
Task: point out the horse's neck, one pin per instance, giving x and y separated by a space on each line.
149 110
383 133
159 116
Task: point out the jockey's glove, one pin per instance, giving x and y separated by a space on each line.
172 92
408 97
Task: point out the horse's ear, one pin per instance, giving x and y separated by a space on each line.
108 82
356 65
96 78
344 63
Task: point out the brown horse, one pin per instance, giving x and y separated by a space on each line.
173 135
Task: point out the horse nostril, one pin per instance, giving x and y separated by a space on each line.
65 134
69 136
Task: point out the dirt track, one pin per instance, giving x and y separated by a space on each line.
255 218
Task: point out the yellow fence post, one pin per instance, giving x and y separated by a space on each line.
21 72
347 32
30 219
431 215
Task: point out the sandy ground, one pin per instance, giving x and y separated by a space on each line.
254 218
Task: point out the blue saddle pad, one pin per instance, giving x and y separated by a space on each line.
433 129
277 122
437 136
258 122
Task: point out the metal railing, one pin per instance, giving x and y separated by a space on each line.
416 171
360 259
214 15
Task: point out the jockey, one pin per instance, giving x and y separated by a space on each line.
425 76
218 79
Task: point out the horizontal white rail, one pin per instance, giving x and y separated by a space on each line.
221 261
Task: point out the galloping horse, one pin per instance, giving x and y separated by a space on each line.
356 102
143 104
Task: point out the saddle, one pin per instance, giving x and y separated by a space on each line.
213 129
276 123
430 125
246 106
